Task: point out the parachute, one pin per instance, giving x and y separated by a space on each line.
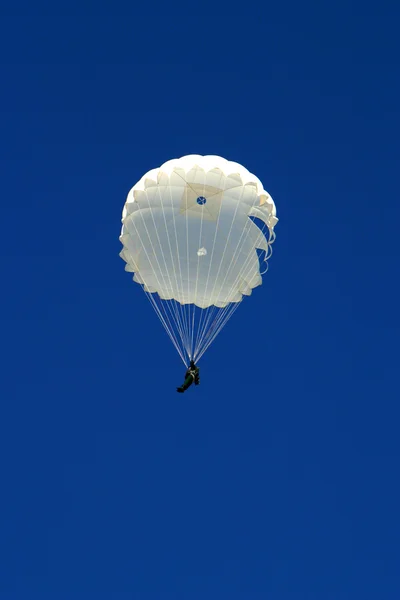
195 233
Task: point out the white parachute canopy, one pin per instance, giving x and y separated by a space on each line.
189 237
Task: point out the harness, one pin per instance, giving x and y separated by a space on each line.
193 373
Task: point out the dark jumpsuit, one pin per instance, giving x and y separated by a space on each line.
191 375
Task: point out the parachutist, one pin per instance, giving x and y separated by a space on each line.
192 375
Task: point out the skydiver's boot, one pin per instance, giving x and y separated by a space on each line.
180 390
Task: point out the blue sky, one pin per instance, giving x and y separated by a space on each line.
279 476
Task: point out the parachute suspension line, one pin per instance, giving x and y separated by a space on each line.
223 317
167 328
163 317
188 310
232 307
226 313
182 306
236 282
172 309
183 325
167 307
244 268
192 346
205 312
188 270
206 325
178 315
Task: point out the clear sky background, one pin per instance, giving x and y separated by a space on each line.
279 476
